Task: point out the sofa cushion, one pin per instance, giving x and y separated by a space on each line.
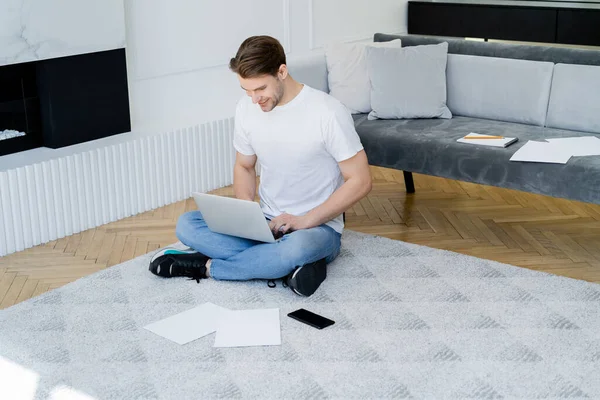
429 146
575 98
347 73
408 82
499 88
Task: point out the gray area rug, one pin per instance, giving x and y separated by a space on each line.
411 322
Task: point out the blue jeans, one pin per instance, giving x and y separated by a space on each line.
235 258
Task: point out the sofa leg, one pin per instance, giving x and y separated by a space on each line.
408 181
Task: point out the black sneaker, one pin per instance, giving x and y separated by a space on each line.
171 262
305 280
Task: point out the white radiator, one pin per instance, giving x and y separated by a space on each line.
57 198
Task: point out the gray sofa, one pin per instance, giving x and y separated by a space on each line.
551 98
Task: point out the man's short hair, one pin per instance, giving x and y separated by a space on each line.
258 56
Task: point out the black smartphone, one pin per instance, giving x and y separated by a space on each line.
310 318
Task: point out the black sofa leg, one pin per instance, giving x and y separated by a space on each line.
408 181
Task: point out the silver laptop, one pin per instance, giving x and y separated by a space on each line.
235 217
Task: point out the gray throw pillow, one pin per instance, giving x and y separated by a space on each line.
408 82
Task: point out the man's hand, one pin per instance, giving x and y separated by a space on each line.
286 223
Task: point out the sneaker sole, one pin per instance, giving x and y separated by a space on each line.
170 250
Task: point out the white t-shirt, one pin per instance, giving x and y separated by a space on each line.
298 146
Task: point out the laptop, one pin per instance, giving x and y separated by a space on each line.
235 217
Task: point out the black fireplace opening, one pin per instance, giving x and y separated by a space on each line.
63 101
20 121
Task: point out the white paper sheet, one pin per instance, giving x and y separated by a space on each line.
249 328
189 325
579 146
542 152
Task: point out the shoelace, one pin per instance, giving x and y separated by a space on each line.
195 269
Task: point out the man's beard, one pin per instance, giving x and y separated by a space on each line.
276 98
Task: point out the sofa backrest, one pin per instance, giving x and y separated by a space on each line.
551 86
498 88
564 55
310 69
575 98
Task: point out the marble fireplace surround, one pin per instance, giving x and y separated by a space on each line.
62 38
32 30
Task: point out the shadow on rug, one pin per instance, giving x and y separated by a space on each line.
411 322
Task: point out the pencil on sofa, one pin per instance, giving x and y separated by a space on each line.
484 137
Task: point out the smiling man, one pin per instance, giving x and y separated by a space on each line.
313 168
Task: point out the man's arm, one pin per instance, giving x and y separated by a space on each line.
357 185
244 176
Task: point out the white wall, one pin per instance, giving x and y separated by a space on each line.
178 50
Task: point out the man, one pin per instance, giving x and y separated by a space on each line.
313 168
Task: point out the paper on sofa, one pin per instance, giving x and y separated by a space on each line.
543 152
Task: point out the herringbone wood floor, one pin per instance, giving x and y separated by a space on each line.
532 231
